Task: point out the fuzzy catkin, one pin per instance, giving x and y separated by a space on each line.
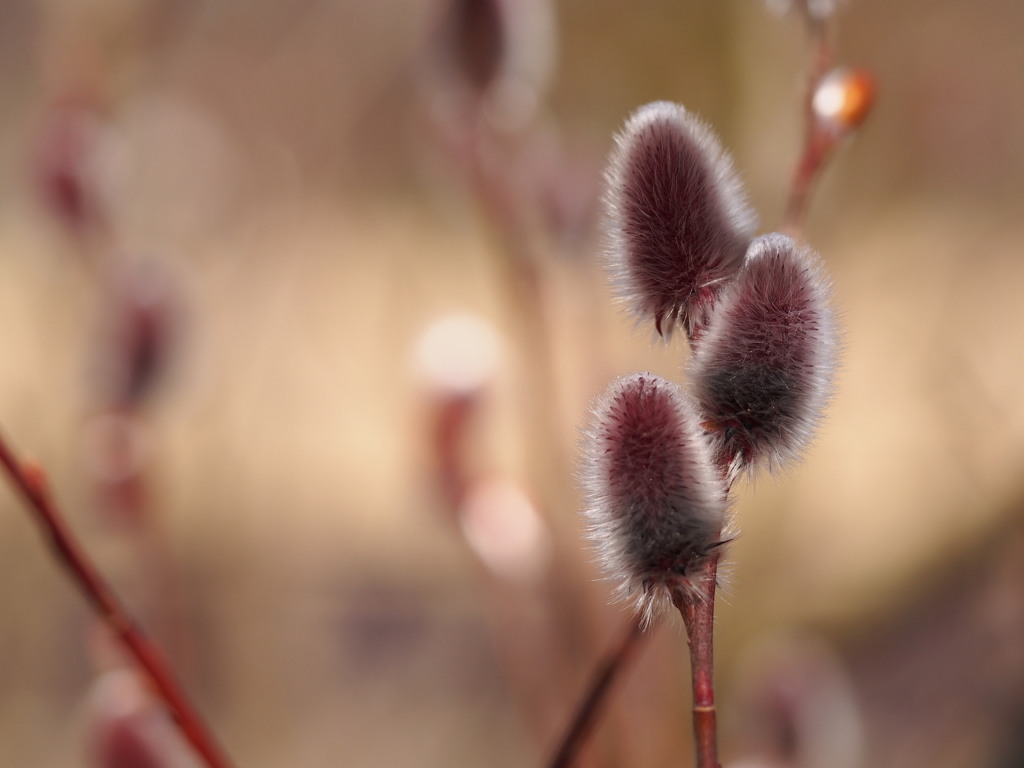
478 40
677 217
654 502
764 372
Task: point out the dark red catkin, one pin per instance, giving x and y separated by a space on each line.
654 501
763 374
476 34
677 215
143 309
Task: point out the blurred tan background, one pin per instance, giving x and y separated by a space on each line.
299 172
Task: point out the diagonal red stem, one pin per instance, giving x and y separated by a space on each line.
30 482
600 684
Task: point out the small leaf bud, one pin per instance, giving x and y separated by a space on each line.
843 100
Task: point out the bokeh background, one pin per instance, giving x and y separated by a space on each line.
226 229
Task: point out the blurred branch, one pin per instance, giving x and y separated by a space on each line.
836 102
596 694
30 481
813 154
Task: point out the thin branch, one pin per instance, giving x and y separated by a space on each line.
30 482
597 693
698 612
816 144
847 96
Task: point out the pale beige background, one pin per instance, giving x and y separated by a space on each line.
316 229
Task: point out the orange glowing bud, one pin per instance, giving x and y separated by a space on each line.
844 98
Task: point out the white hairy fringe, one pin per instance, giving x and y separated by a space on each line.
610 527
726 187
819 369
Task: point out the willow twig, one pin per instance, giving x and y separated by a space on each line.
698 612
816 145
30 482
596 694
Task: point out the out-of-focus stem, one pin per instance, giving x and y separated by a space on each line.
596 695
698 612
30 481
817 144
523 274
836 102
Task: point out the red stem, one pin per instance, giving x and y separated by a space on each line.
817 144
30 482
698 612
596 694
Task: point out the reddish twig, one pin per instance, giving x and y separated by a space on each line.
600 684
698 612
30 481
846 98
816 143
